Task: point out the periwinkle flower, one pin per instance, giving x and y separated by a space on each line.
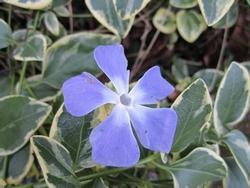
113 141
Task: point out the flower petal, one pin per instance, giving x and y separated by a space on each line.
155 127
84 93
113 142
112 61
151 88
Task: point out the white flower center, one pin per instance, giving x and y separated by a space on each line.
125 100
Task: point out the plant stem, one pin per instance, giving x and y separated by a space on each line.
4 168
36 20
143 56
117 170
22 75
220 60
35 171
71 20
9 14
43 131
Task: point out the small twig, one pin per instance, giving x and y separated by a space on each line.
149 12
117 170
144 36
71 20
221 56
78 16
22 77
147 29
138 65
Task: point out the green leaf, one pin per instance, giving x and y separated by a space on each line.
214 10
248 2
234 178
5 34
240 148
208 75
62 11
30 4
193 107
71 55
73 133
20 118
164 21
33 49
179 69
19 165
105 13
246 65
55 162
51 22
232 99
229 19
21 35
190 25
5 84
198 167
35 87
58 3
127 9
183 3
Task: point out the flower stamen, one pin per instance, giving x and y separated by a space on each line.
125 99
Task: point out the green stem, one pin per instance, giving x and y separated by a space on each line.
27 87
22 76
117 170
36 20
9 14
221 56
159 166
43 131
4 169
35 171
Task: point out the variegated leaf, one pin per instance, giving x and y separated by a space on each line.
198 167
19 165
73 133
33 49
104 11
183 3
164 20
234 178
190 25
71 55
51 22
240 148
55 162
30 4
229 19
232 99
214 10
5 34
129 8
36 88
194 108
20 118
211 77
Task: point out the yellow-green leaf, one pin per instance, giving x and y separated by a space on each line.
190 25
30 4
214 10
164 20
104 11
20 118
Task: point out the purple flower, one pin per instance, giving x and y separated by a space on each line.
113 141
